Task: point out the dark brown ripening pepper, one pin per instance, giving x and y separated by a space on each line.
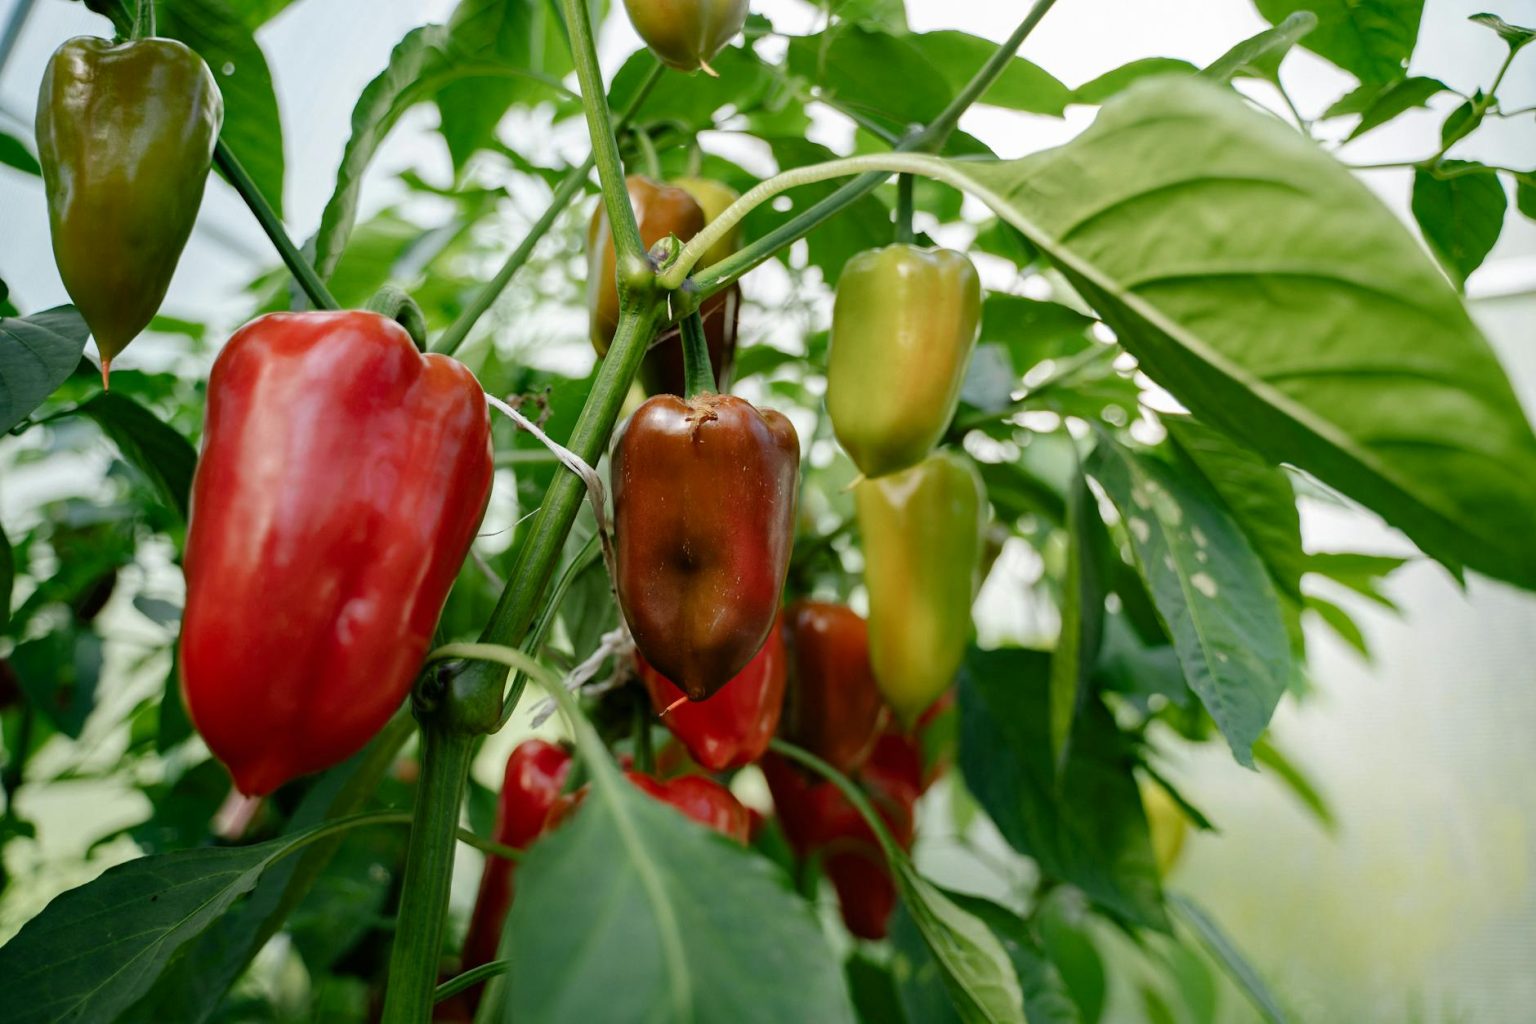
704 510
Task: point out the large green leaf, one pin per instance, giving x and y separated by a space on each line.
1021 86
1084 826
872 75
252 128
37 354
1461 216
1370 38
14 153
1082 613
153 447
631 897
1210 589
1273 295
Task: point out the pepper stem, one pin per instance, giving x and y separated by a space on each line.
649 159
144 19
395 304
698 376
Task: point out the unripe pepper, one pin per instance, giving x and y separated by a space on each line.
819 821
903 326
681 209
1166 824
686 34
833 707
125 137
733 727
922 542
535 777
704 508
342 478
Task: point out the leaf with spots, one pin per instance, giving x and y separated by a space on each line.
1210 589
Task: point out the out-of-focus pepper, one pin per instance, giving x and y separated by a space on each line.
342 478
733 727
535 776
1166 824
125 137
713 198
686 34
922 542
903 326
833 707
819 822
704 507
682 209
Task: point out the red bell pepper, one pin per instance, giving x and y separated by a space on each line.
704 512
733 727
342 478
833 707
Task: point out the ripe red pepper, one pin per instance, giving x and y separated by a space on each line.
833 707
733 727
704 509
819 821
535 776
342 478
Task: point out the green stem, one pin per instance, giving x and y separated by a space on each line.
413 962
458 331
904 187
627 247
698 375
298 266
589 553
931 139
394 304
469 979
144 20
645 751
876 166
648 156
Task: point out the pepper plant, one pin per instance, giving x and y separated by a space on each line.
1191 244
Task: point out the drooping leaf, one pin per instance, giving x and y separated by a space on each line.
1359 572
14 153
1110 83
252 128
37 354
1303 321
1022 85
1371 39
1210 590
1340 622
1082 614
1260 55
1273 759
1402 95
1084 825
1515 35
1463 121
152 447
1461 216
1257 494
1227 955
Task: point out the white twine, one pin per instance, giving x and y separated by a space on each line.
614 642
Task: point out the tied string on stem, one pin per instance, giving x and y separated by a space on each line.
615 643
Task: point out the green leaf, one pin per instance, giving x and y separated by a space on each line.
1462 121
1360 573
1269 756
1083 825
174 725
629 896
1340 622
14 153
59 673
153 447
1303 320
873 989
7 579
1461 217
879 15
745 85
1210 590
519 35
1082 614
1032 330
1372 39
1393 100
1227 955
1113 82
1260 55
1515 35
37 354
1021 86
252 128
921 989
1257 494
1525 193
883 78
1062 925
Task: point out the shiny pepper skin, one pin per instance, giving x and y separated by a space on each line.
819 821
125 137
833 707
535 777
704 508
686 34
681 209
342 478
903 326
733 727
922 531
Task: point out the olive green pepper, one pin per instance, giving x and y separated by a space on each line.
686 34
903 326
922 533
125 136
